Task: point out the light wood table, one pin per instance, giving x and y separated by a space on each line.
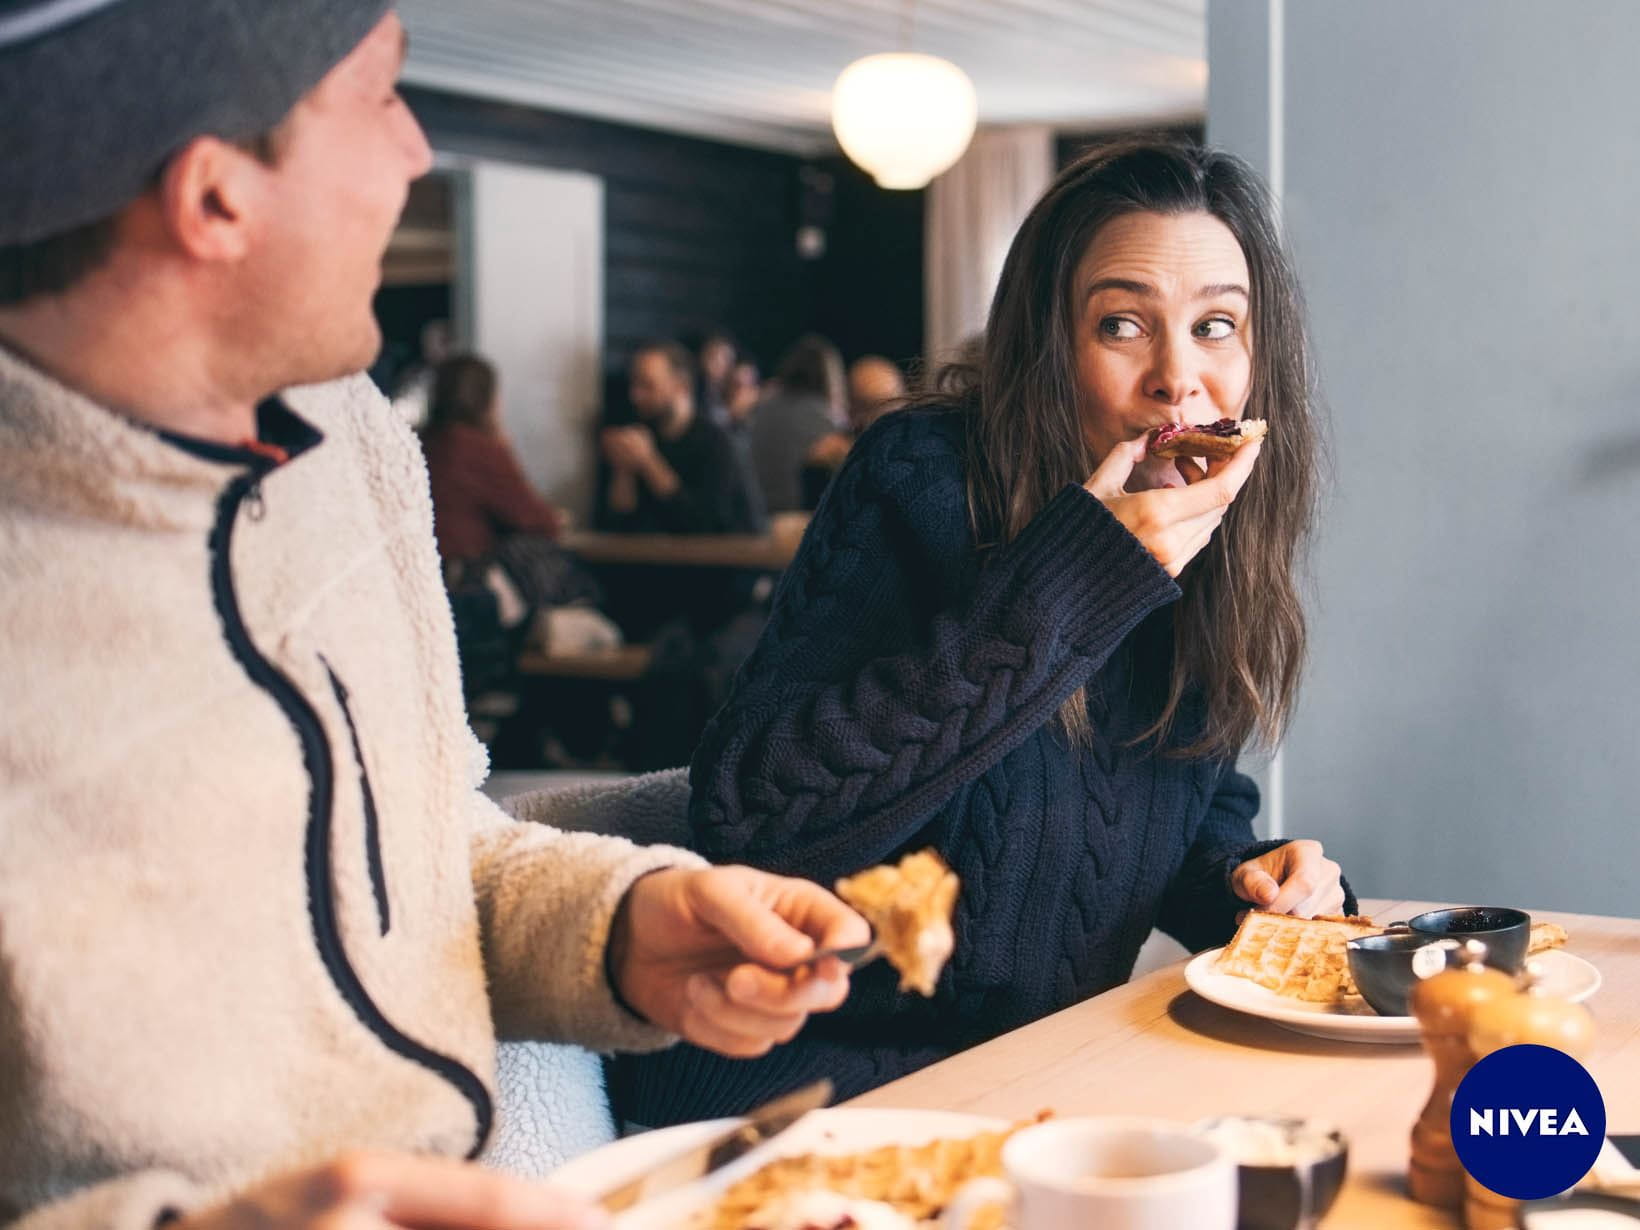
625 662
769 552
1154 1047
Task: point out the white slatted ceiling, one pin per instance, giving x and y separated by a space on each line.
760 71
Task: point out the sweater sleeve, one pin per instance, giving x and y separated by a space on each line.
1199 909
546 901
507 496
138 1201
827 774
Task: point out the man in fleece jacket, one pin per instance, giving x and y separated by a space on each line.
259 930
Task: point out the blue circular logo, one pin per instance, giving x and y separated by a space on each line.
1528 1121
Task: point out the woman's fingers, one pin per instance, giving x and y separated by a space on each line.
1110 479
1219 489
1178 544
1174 524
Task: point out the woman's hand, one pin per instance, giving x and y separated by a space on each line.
1173 523
381 1191
697 953
1296 878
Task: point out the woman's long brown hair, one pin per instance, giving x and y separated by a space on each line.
1238 633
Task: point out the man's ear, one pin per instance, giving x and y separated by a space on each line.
208 194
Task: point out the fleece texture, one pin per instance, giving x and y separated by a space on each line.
253 908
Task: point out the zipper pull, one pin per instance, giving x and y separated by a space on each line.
254 505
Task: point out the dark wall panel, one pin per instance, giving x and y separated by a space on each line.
868 289
704 235
701 234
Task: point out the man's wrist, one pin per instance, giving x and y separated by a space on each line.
619 947
662 479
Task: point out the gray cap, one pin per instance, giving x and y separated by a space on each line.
95 95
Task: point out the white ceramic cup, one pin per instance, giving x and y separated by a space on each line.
1116 1173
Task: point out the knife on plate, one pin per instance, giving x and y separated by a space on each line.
766 1121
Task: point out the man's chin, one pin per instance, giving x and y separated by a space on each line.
342 356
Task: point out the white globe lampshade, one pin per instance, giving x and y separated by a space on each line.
903 117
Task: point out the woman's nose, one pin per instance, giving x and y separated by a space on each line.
1173 377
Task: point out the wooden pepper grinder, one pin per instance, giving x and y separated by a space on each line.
1443 1004
1534 1016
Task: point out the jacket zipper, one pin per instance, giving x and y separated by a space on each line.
372 828
316 757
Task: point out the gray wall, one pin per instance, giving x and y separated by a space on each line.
1462 188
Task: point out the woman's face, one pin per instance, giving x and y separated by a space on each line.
1163 332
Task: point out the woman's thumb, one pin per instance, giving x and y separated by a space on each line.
1255 884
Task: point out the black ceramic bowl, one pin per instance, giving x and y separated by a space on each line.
1505 932
1284 1197
1382 968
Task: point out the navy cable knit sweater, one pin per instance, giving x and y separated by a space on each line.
904 695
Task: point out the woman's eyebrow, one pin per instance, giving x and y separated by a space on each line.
1143 289
1146 291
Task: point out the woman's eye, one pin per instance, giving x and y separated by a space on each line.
1119 327
1217 328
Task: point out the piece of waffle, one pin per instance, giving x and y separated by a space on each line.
1546 935
1301 958
918 1181
909 908
1220 439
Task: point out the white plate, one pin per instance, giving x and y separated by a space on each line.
1567 976
838 1130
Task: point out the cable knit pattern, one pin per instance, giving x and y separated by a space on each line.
904 695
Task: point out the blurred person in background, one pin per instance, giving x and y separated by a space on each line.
674 471
806 404
875 386
745 390
480 492
261 927
412 385
716 357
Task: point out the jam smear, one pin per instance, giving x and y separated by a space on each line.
1227 428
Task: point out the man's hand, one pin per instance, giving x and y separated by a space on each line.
696 952
1296 878
376 1191
628 448
830 450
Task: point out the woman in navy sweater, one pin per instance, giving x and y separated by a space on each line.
1012 635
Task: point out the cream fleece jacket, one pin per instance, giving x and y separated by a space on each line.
253 908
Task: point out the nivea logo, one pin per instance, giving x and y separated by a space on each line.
1538 1121
1528 1122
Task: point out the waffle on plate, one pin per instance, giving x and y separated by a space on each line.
1301 958
914 1181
